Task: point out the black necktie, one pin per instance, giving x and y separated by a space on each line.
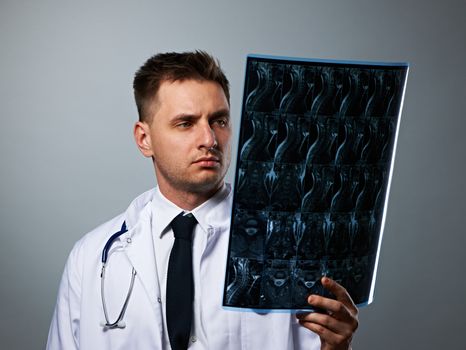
180 284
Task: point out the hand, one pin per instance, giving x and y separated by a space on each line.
337 326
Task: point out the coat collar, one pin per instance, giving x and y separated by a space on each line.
136 208
138 244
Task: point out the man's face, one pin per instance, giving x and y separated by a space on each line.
190 136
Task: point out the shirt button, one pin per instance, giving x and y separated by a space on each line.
159 300
128 240
193 339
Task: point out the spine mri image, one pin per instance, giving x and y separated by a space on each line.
313 170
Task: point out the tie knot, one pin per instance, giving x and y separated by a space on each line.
183 225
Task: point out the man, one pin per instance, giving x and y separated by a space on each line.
184 126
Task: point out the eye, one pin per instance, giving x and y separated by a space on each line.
184 125
222 122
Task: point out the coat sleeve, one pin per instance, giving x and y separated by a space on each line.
65 326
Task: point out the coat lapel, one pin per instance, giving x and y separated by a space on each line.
140 251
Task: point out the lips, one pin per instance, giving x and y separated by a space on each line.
207 162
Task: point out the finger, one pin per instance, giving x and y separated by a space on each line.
333 324
327 335
339 291
335 308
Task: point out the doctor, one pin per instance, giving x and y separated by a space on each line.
185 128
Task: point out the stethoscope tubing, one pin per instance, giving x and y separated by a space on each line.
110 242
119 323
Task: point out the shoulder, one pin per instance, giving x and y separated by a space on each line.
94 241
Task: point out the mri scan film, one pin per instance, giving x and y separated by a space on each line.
315 157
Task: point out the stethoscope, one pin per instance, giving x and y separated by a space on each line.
119 323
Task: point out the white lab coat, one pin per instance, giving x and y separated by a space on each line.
78 312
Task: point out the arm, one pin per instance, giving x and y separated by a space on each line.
64 328
336 327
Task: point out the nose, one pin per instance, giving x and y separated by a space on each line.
208 138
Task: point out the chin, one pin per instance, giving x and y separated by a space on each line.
207 185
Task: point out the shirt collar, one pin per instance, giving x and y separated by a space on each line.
164 211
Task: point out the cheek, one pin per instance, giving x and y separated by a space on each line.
174 151
166 143
163 151
225 138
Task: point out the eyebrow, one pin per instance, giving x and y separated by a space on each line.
224 112
183 117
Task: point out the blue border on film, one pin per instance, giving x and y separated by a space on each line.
329 61
281 311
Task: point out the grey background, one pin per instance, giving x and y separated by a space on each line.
68 161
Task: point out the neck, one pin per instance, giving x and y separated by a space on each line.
187 200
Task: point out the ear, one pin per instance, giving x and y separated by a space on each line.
143 139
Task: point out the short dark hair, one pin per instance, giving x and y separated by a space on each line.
174 66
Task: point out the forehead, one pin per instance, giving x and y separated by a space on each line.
191 94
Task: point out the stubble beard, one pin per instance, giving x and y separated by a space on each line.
203 184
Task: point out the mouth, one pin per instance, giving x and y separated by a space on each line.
208 162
